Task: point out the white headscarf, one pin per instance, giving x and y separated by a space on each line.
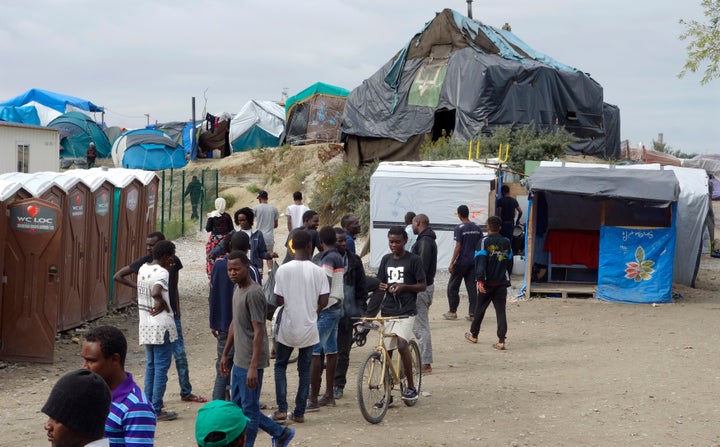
219 208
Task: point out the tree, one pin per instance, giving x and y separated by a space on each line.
704 43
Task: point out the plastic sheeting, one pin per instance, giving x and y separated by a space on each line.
257 124
491 79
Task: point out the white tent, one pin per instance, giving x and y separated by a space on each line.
258 124
435 188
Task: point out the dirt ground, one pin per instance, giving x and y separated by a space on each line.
576 372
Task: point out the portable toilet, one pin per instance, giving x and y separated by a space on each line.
31 280
8 188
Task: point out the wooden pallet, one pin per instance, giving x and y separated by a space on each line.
565 290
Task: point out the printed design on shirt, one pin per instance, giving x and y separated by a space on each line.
396 275
495 250
641 269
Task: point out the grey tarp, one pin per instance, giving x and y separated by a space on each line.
486 78
653 188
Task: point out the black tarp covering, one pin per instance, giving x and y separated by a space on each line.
489 78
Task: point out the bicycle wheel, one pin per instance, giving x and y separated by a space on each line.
372 391
416 372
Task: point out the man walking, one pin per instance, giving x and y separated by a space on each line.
249 339
491 273
462 264
310 223
295 211
426 248
131 422
266 220
195 191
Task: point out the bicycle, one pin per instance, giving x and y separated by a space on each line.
379 375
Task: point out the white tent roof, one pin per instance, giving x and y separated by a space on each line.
265 114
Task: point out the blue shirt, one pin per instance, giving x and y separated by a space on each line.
131 421
350 242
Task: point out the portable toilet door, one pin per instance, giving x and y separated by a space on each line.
128 241
55 188
96 295
151 199
7 191
32 260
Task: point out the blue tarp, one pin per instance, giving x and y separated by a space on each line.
23 115
636 265
55 101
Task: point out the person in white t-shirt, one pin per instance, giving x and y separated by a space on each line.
295 211
302 288
157 328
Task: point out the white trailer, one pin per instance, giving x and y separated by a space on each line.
26 148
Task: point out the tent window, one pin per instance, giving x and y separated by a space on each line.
443 124
426 87
23 157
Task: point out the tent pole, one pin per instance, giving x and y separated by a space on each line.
530 233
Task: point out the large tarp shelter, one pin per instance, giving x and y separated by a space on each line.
629 214
461 77
77 131
258 124
314 115
50 105
147 149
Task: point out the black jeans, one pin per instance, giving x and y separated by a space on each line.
344 342
462 273
498 296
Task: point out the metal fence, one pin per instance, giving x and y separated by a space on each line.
176 215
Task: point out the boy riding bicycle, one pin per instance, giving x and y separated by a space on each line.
401 276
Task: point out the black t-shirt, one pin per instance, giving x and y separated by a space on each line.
406 270
508 205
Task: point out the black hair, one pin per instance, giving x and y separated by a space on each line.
239 241
398 231
301 239
505 189
463 211
307 215
327 235
494 223
339 231
249 215
409 216
346 219
111 339
297 195
163 248
156 235
237 254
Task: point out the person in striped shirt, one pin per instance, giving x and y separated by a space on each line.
131 421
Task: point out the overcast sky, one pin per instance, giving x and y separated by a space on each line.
151 57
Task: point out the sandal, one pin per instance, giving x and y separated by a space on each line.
499 346
194 398
470 338
279 416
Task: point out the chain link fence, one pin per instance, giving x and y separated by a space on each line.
185 198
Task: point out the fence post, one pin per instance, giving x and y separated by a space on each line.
162 206
182 206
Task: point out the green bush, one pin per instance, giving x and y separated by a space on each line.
344 189
229 200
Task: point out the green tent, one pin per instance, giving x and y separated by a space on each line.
77 131
314 115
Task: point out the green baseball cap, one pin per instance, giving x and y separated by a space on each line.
219 416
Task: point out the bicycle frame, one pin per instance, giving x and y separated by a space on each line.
387 360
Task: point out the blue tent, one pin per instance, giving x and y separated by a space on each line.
147 149
77 130
181 132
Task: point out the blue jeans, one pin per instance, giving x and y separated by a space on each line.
222 384
282 355
181 362
327 324
157 364
249 401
